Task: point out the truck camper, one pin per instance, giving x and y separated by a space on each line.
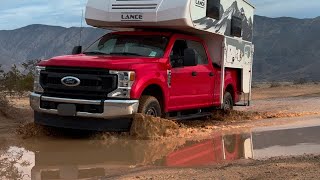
175 59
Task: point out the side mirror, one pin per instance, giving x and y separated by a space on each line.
77 50
190 57
216 65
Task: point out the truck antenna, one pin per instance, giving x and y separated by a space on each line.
81 28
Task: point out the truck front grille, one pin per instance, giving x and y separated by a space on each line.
95 83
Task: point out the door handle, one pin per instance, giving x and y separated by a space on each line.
194 73
211 74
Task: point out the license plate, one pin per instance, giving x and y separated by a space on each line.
67 109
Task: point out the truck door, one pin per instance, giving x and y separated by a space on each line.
190 86
205 75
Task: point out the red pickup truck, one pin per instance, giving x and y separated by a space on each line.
161 74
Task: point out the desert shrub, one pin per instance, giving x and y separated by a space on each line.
255 85
3 101
300 81
18 81
275 84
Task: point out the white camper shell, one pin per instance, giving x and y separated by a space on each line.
225 25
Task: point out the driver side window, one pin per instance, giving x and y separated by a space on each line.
177 53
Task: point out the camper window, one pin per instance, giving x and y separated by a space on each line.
236 26
213 9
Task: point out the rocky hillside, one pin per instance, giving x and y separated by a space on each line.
287 49
41 41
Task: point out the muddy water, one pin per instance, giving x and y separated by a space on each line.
80 158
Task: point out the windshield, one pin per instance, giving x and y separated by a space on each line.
129 45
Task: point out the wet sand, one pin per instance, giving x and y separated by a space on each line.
221 147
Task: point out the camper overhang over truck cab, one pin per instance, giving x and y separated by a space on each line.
176 59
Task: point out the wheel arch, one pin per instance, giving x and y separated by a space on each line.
156 91
230 88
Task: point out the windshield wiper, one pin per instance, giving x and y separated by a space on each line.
126 54
95 53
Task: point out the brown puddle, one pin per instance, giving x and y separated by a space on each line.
148 128
54 158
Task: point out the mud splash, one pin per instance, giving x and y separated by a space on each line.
150 128
147 127
30 130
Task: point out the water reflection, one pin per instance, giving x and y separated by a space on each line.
93 159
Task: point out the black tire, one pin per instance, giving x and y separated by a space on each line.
149 105
227 102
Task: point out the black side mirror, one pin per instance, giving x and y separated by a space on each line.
190 57
216 65
77 50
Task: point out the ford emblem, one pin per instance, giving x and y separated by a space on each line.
70 81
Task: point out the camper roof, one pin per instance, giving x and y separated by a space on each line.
214 16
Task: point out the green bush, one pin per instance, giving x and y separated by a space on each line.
17 81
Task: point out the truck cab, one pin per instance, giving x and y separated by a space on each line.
159 72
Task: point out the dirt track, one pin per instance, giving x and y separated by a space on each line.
306 167
271 107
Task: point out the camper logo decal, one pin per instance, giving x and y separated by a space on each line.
131 17
200 3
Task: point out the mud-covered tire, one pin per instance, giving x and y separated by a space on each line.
227 102
149 105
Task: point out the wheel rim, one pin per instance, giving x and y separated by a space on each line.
152 112
227 105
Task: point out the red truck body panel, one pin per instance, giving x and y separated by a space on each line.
186 92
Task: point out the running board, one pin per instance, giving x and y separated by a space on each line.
243 105
191 116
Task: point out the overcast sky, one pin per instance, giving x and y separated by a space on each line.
19 13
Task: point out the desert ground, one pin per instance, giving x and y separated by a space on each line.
27 151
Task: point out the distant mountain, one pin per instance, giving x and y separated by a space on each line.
41 41
286 49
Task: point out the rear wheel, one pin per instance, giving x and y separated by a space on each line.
149 105
227 102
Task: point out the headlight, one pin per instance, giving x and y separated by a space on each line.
125 82
36 86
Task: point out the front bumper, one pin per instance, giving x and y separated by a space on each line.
112 108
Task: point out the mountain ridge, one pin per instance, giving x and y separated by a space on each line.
286 48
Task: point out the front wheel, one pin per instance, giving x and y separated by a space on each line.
149 105
227 102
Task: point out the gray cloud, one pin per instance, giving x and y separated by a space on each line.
18 13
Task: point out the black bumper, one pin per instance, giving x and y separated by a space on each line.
81 123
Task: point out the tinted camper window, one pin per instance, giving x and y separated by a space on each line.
213 9
236 26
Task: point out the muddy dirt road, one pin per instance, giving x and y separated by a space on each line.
280 123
